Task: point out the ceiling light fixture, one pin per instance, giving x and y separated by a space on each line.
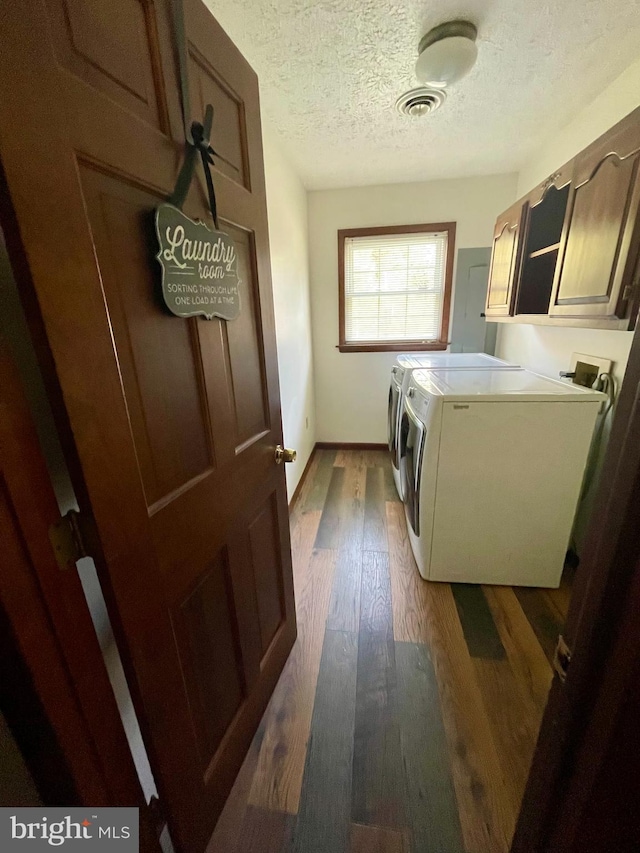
447 53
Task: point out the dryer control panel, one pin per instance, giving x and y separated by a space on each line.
418 400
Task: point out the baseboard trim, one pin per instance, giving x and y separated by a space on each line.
298 488
346 445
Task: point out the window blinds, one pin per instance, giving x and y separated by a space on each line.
394 287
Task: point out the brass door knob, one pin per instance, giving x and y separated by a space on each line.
283 454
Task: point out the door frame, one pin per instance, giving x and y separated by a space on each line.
56 693
578 731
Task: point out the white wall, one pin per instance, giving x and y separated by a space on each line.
547 349
288 236
614 103
351 388
544 348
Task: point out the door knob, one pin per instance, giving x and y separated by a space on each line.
283 454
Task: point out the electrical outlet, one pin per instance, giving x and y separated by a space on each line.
587 368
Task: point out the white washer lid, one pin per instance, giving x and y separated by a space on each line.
521 385
448 360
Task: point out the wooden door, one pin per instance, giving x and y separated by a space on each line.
599 252
170 425
504 256
582 791
55 692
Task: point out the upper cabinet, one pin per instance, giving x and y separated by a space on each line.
503 263
596 274
576 241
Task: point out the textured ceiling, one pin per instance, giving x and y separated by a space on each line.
330 73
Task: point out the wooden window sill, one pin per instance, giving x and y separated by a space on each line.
399 346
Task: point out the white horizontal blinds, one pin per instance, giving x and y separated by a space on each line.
394 287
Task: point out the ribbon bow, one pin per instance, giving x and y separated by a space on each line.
200 136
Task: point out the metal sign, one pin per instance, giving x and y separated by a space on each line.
199 267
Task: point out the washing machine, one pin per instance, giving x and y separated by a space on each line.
492 463
401 374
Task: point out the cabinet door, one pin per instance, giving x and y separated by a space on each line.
600 246
503 263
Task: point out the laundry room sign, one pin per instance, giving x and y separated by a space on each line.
199 267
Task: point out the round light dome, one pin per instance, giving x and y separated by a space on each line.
447 53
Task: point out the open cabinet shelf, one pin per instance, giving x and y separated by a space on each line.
545 251
544 223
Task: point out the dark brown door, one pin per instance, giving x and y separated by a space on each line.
603 232
582 791
54 688
503 263
170 424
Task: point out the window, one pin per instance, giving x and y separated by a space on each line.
395 287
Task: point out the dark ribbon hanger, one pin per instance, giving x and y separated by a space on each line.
197 134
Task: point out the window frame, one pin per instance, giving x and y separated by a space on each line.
398 346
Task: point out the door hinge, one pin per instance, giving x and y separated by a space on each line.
630 289
562 658
157 813
67 539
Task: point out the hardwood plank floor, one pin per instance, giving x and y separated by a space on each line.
329 529
480 632
543 616
432 810
406 716
278 777
324 813
526 656
377 797
486 806
375 528
376 839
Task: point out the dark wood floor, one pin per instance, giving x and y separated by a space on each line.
406 716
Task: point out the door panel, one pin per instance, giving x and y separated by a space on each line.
602 234
228 138
166 397
470 331
208 636
503 252
590 257
113 45
267 571
503 272
244 346
170 424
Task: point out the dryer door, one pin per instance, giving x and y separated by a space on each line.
412 433
392 416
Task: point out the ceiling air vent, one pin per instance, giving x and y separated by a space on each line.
420 101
